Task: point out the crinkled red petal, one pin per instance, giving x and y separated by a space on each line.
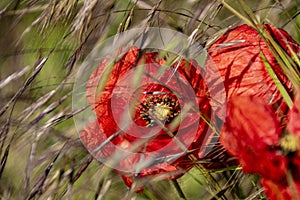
293 125
127 62
281 190
234 62
251 133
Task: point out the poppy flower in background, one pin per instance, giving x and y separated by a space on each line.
279 191
255 129
252 132
235 56
255 135
137 112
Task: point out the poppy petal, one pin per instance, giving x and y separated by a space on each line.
293 125
234 62
251 133
280 190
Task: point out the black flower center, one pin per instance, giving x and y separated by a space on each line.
159 108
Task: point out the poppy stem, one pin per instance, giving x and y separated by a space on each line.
178 189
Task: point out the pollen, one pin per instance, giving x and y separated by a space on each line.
162 111
289 143
158 108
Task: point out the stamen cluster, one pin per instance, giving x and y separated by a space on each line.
157 107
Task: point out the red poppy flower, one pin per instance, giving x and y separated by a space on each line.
251 133
254 134
235 57
281 191
137 111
